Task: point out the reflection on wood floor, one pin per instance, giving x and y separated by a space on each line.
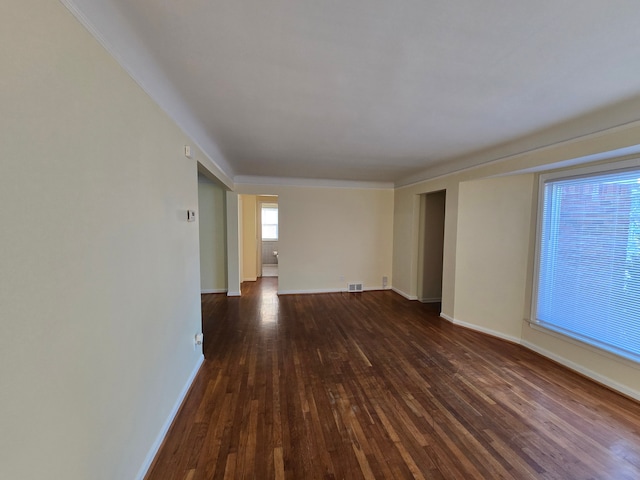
370 385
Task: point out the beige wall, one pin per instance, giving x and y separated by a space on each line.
211 217
99 282
492 253
234 244
467 187
249 238
326 233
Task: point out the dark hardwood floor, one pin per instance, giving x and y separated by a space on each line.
370 385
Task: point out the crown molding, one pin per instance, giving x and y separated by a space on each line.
241 180
221 168
462 164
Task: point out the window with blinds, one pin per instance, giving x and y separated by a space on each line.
588 263
269 221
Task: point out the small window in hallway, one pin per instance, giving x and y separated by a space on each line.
269 221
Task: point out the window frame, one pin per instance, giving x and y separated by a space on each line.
269 205
534 322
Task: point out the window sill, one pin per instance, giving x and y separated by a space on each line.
626 359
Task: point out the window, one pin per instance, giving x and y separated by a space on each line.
588 264
269 221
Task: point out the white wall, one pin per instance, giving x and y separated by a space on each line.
326 233
213 233
492 253
99 270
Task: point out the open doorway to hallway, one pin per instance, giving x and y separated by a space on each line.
259 236
269 237
431 246
212 228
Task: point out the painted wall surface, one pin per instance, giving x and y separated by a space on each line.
211 216
610 370
99 270
493 230
234 244
326 233
249 238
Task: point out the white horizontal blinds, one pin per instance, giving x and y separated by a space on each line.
589 271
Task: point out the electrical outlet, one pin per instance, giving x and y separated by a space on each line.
197 341
341 278
385 280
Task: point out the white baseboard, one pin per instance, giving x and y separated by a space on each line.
233 294
405 295
477 328
376 289
447 317
311 291
328 290
488 331
250 279
167 424
213 290
430 300
584 371
606 381
303 292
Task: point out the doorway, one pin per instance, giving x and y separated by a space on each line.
212 231
431 246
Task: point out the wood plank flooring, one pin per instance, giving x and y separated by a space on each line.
372 386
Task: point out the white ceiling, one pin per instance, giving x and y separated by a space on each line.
375 90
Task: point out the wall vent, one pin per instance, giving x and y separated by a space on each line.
354 287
